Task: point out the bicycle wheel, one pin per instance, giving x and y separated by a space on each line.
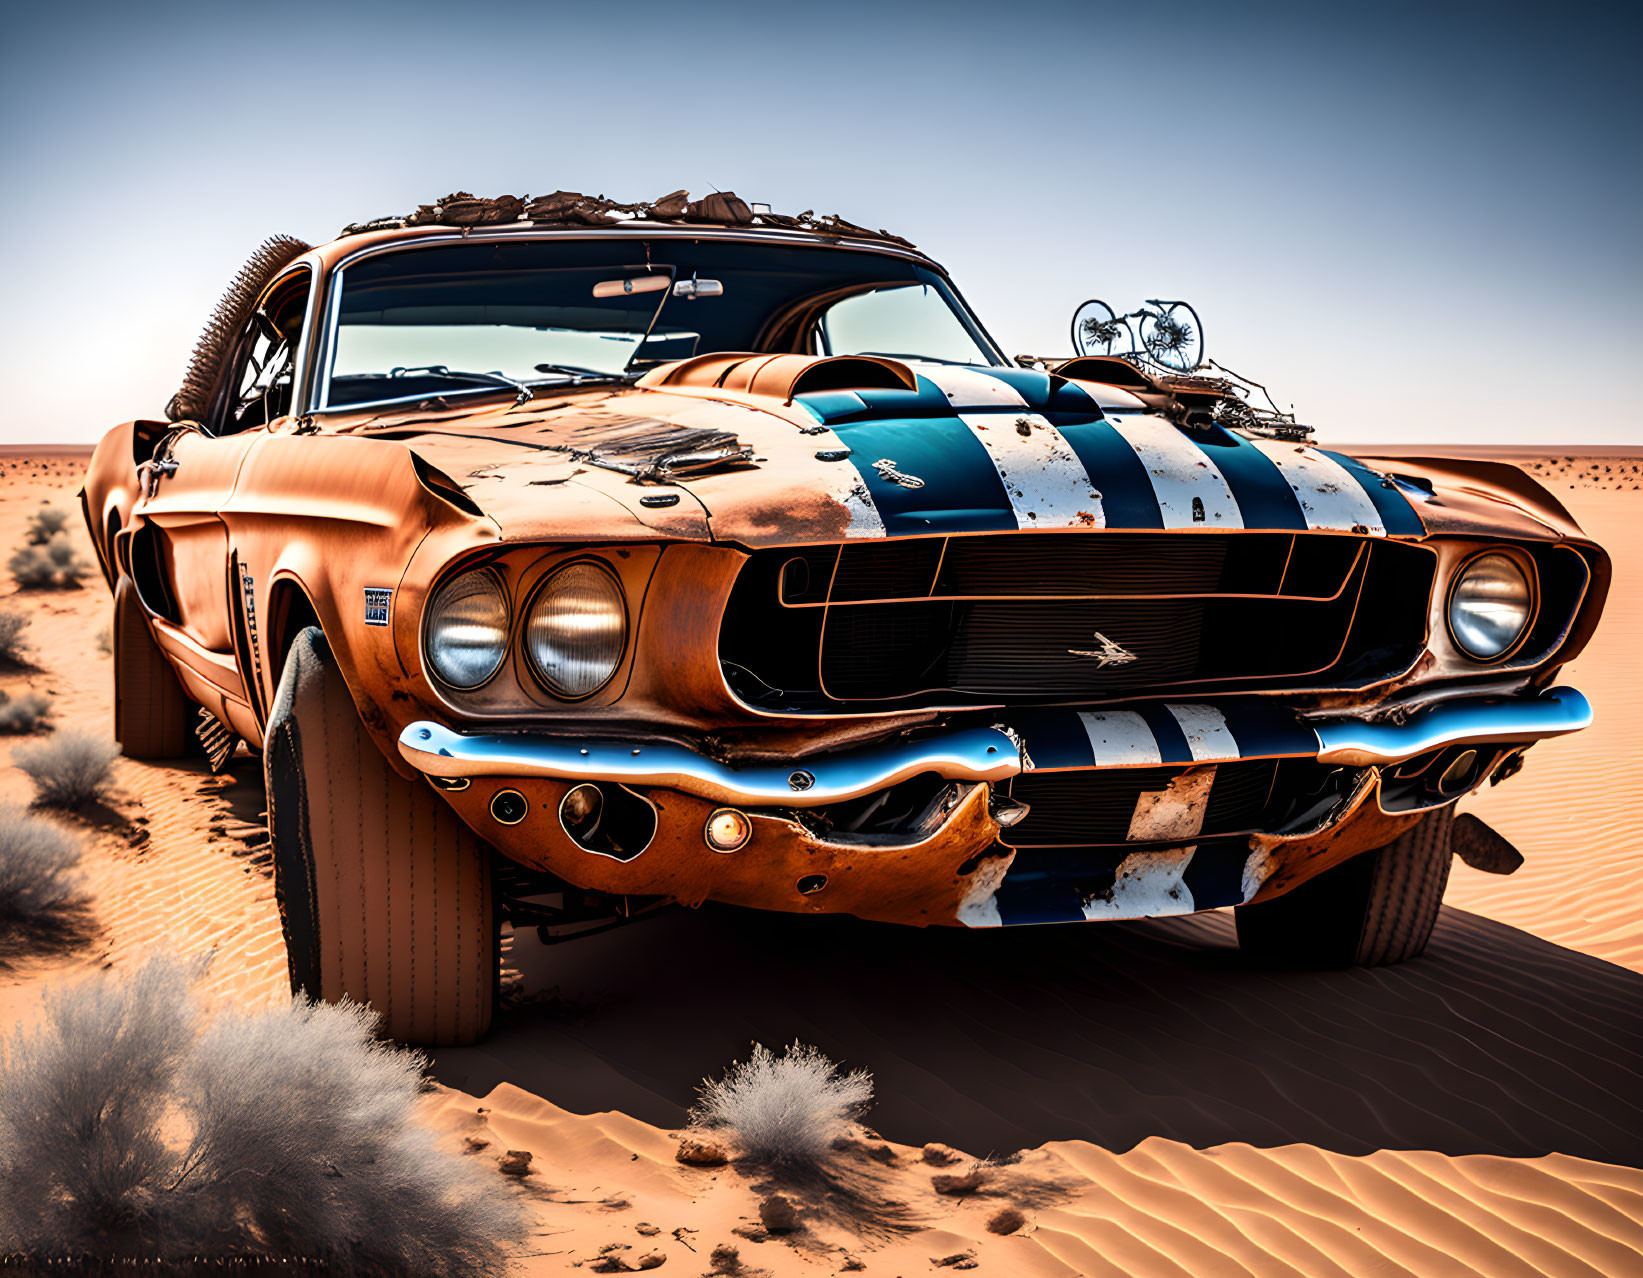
1174 338
1099 330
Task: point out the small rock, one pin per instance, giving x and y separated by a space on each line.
472 1144
851 1264
956 1183
753 1233
700 1153
939 1155
516 1162
725 1259
777 1215
647 1229
1006 1220
881 1154
652 1260
958 1260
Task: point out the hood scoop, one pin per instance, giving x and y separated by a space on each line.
784 376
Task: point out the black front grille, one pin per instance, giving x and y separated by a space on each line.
1071 617
1071 809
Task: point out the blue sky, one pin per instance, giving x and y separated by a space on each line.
1413 222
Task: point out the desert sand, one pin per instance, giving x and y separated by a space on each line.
1151 1103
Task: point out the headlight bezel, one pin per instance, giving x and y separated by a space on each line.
430 614
1526 569
527 656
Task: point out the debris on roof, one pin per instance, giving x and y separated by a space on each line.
572 208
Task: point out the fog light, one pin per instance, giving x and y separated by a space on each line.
509 807
727 830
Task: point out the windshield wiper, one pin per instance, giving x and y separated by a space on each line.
577 373
523 393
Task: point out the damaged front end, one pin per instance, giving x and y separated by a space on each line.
1059 815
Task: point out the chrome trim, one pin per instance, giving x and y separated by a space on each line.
1475 721
969 754
964 754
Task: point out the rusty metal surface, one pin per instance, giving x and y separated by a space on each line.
672 483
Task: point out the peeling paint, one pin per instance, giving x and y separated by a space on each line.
1176 811
978 908
1258 867
1331 498
1189 488
1147 885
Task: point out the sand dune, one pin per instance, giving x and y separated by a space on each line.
1165 1106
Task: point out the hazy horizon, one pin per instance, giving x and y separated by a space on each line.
1413 223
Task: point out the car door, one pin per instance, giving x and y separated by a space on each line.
181 548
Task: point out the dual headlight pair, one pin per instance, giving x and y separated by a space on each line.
576 627
1490 605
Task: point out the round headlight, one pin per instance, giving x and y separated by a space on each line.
1489 606
576 630
466 632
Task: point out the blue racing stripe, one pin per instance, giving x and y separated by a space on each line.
1172 742
1127 499
1054 738
1263 730
1396 513
1215 875
1264 497
1050 886
960 489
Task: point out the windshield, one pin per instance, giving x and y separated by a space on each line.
460 318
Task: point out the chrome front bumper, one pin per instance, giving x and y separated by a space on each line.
1033 740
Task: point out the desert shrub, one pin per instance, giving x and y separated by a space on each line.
785 1109
26 713
46 523
130 1130
37 861
12 644
54 564
105 640
69 769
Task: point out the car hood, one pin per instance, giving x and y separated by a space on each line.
800 450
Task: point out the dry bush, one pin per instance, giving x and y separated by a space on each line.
12 644
27 713
52 565
37 861
787 1109
131 1132
69 769
46 523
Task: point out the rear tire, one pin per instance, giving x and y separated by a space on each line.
384 893
153 717
1375 909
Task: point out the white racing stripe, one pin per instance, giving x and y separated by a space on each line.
1047 485
1205 728
967 388
1330 498
1191 492
1120 738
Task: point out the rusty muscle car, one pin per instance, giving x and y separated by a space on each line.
566 559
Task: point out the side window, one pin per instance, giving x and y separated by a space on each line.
261 386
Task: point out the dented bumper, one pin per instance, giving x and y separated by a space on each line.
1169 843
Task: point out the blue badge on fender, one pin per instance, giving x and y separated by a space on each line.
376 605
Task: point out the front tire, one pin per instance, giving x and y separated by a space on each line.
384 893
1375 909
